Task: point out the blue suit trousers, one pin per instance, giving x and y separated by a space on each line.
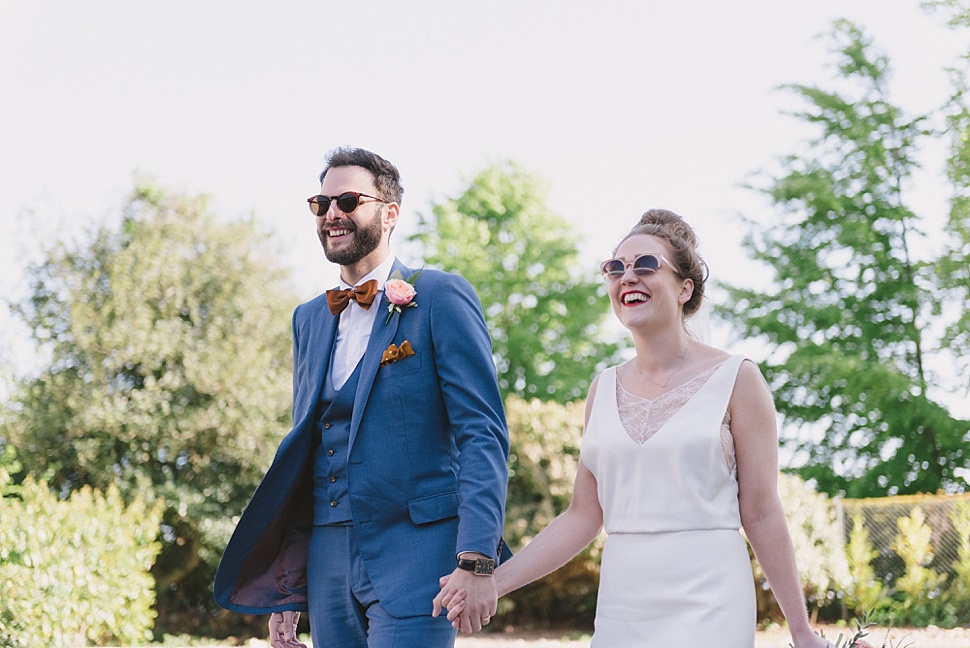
344 609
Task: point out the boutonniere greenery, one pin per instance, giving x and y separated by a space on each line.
400 293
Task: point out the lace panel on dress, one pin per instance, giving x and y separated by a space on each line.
642 417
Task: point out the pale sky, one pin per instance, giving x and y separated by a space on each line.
620 106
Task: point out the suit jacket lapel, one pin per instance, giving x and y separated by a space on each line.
320 343
381 336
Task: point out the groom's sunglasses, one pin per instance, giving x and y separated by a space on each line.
643 266
347 202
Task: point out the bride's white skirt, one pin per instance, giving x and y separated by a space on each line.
686 589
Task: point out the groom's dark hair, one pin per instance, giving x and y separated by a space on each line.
386 176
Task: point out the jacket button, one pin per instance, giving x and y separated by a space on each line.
333 503
333 478
329 453
326 426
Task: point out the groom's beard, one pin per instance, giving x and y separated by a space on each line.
366 239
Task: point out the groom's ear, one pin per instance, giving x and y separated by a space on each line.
391 212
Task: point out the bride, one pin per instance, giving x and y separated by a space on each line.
679 453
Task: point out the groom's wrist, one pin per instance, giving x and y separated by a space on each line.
476 563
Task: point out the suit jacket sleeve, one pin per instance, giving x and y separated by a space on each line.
469 387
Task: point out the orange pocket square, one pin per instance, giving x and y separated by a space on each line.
394 353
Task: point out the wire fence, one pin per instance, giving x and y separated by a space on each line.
882 520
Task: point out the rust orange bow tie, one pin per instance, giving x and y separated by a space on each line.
363 294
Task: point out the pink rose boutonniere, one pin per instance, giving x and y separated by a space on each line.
400 293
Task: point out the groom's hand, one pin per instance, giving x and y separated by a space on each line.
475 598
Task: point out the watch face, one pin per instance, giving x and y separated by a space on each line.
484 566
479 566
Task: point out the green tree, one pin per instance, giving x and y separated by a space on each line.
850 314
167 374
544 310
953 270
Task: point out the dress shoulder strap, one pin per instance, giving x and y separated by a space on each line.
723 382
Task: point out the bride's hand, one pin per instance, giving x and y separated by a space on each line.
282 630
814 640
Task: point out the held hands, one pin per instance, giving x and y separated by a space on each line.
471 600
282 630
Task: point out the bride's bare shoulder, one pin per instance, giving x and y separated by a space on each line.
709 356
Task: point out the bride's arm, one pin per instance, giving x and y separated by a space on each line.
554 546
754 428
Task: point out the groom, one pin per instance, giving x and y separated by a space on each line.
395 470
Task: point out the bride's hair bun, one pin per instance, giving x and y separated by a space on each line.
682 241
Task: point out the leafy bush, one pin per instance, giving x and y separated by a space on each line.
545 441
958 593
917 597
76 570
817 539
865 592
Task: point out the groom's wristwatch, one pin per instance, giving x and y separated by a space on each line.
479 566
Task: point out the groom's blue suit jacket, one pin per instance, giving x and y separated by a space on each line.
427 471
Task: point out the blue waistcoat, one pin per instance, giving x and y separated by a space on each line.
331 497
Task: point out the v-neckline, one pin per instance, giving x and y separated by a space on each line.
649 432
673 390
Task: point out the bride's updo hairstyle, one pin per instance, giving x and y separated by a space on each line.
675 231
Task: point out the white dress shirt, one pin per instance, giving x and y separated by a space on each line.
353 332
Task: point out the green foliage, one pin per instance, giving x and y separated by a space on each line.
76 570
168 373
544 314
918 589
544 458
958 592
8 466
952 269
864 591
850 313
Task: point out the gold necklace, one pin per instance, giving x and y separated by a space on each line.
683 357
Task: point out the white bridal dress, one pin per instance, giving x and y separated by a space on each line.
675 570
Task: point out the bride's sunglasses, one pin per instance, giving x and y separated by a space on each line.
347 202
643 266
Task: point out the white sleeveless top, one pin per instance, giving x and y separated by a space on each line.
676 477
